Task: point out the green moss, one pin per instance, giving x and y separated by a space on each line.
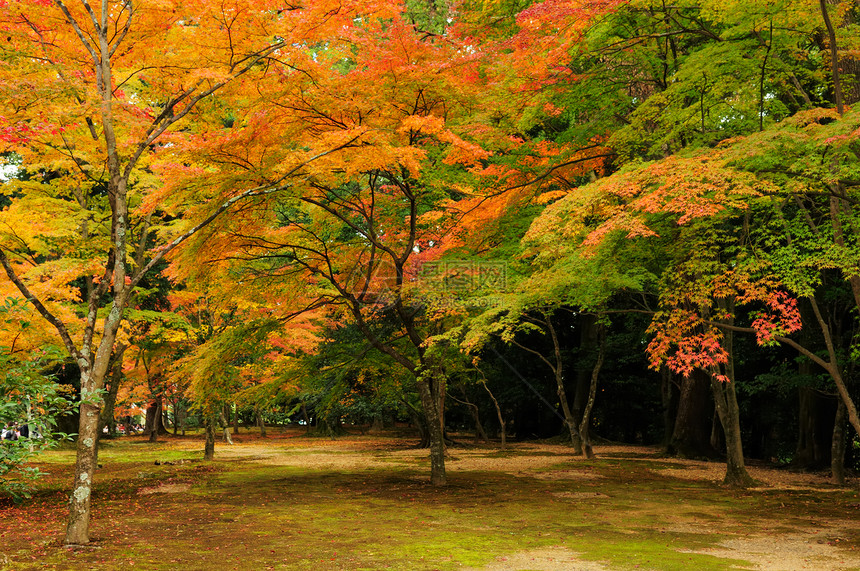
244 513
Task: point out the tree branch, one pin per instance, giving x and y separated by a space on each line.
43 311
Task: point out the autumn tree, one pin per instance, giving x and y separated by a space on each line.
88 105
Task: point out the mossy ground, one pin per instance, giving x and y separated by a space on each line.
248 510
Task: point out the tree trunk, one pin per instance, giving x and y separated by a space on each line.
726 402
480 434
837 450
77 531
307 418
727 408
182 416
498 412
834 58
441 392
154 419
669 401
209 446
592 392
157 420
107 413
813 436
832 365
376 425
225 425
569 419
717 439
429 400
176 416
261 423
92 382
691 437
588 340
235 418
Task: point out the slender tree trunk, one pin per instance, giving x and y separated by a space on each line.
429 402
666 395
480 434
727 408
440 390
588 341
307 418
225 425
176 414
717 439
107 414
209 446
498 412
182 416
592 392
261 424
837 450
726 402
569 419
235 419
832 366
834 58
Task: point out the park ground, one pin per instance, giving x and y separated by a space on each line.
290 501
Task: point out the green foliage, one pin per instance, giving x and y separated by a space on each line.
349 381
28 396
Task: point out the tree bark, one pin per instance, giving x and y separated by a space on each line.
77 530
837 450
588 340
592 392
155 419
176 416
225 425
726 402
306 418
814 412
261 423
669 402
480 434
558 372
691 437
429 400
834 58
209 446
727 408
107 413
498 411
